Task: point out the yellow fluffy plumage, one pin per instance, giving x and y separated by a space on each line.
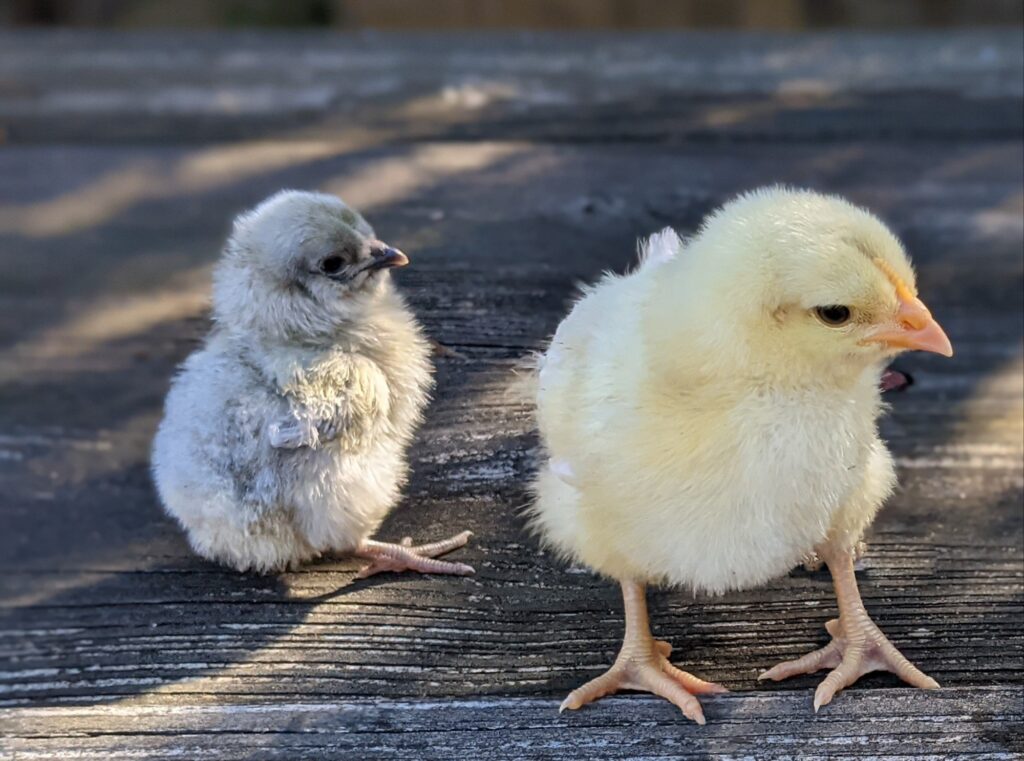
706 424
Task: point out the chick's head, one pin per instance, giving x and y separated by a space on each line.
803 284
299 266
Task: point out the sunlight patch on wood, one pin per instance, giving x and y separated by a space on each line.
114 192
106 321
390 179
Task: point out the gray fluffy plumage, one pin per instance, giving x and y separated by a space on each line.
284 437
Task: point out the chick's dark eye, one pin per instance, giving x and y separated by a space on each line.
332 265
833 314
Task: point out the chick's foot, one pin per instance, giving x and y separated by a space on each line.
858 646
851 654
642 664
406 556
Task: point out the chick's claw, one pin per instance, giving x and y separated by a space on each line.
852 653
652 674
642 664
405 556
441 547
858 646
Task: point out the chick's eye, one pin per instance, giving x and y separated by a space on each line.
833 314
332 265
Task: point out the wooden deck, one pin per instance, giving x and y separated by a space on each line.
509 167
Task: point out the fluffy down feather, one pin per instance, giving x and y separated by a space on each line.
702 426
285 435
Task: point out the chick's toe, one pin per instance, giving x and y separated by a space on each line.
643 665
405 556
851 654
858 646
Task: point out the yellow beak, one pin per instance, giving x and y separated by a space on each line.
915 329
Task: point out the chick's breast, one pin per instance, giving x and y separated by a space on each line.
713 484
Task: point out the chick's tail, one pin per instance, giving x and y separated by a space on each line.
663 246
525 381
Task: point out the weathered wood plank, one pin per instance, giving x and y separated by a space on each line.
979 723
372 88
100 598
116 642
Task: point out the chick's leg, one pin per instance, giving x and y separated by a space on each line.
643 665
858 646
405 556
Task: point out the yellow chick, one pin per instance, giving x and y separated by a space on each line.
709 421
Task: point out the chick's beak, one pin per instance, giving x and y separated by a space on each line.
914 329
383 257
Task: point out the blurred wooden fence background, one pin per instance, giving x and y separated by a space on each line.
512 14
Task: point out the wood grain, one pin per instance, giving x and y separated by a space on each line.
978 723
116 642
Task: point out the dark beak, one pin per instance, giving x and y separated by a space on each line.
386 257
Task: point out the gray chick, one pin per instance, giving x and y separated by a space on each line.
284 437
